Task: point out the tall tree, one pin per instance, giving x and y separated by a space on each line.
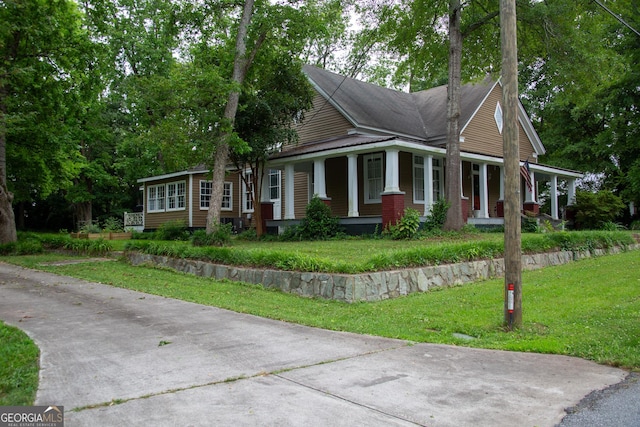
282 28
278 94
241 64
38 40
453 193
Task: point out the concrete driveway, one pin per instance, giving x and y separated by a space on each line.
115 357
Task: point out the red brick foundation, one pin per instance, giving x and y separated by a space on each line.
464 204
392 208
500 208
531 207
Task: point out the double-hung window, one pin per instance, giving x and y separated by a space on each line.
176 195
167 197
155 198
438 180
227 196
247 192
418 179
205 195
373 178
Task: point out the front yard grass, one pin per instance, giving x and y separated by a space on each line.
19 363
589 309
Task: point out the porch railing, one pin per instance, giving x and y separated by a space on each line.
134 220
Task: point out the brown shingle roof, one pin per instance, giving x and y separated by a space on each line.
422 115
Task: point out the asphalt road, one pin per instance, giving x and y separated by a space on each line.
615 406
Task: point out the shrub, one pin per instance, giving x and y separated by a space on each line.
407 226
220 236
173 230
249 235
595 209
113 224
291 233
529 225
318 223
90 227
437 216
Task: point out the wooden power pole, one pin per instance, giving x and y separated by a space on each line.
512 231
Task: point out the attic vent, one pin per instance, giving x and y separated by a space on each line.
498 117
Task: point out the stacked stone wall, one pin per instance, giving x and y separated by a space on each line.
373 286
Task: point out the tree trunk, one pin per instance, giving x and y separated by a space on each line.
453 193
8 232
511 147
222 150
84 213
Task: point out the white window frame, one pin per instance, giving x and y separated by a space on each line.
438 179
227 196
205 195
497 116
367 180
247 199
176 194
418 179
277 174
155 201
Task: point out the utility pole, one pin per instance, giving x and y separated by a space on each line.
511 148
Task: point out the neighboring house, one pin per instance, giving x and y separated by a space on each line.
371 152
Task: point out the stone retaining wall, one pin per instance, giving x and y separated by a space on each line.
372 286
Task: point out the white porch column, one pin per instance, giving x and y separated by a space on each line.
289 202
264 189
484 191
554 196
571 191
501 182
319 183
352 163
392 172
428 184
530 194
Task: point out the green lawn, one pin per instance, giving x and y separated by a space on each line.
19 363
588 309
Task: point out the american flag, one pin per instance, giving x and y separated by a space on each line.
525 172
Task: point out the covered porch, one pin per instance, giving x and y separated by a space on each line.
369 181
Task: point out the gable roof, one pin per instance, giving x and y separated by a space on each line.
421 115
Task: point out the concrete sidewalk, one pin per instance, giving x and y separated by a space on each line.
120 357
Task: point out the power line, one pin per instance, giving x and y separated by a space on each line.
617 17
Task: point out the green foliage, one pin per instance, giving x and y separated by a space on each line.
377 256
318 223
593 210
437 216
529 224
113 224
291 233
88 246
19 363
90 227
173 230
249 235
220 236
406 227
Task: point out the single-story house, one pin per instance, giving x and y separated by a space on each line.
370 152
